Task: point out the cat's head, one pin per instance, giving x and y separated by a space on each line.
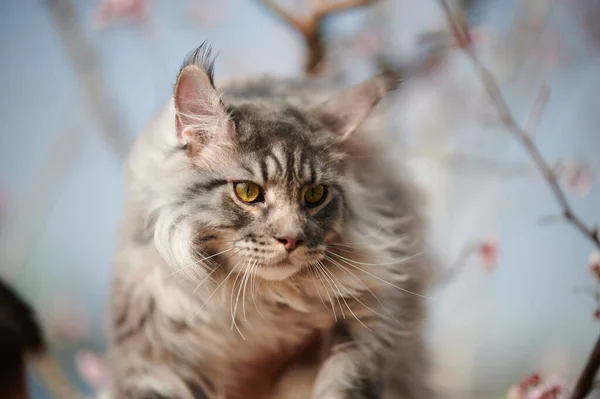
266 186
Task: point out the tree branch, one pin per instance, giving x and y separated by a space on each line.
585 381
311 27
90 76
507 119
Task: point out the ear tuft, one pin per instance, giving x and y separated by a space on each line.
201 116
201 57
350 108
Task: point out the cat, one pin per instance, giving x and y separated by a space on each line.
271 246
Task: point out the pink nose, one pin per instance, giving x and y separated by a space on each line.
289 242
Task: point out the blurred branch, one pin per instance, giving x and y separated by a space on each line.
519 133
90 77
311 27
585 382
539 105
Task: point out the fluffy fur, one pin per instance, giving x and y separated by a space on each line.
207 302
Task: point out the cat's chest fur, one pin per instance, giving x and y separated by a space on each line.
250 345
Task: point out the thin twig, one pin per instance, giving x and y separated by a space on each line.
87 65
585 381
458 265
539 105
311 27
522 136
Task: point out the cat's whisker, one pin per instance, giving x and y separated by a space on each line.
382 280
247 275
329 281
344 299
196 263
318 273
314 279
209 276
252 292
232 308
214 291
335 263
341 295
396 262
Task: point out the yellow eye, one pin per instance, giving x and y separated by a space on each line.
315 195
249 192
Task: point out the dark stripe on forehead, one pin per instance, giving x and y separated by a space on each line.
313 171
247 169
204 186
263 169
289 153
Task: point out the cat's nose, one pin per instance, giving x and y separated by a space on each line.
289 243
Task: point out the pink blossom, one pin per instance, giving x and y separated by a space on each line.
535 386
92 368
577 177
594 263
489 252
110 11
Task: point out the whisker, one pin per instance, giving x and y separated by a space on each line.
195 263
378 264
370 291
207 277
329 281
247 277
314 279
252 281
215 290
344 299
234 312
318 273
382 280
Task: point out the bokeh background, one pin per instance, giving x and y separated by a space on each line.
79 79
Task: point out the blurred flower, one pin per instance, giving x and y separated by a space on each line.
594 264
597 314
489 252
110 11
535 386
92 368
577 177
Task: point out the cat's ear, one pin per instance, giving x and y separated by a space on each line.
201 116
344 112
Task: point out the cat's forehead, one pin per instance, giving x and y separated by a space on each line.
283 144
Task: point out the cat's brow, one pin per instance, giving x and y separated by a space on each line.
204 186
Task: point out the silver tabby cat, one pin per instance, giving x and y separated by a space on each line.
271 247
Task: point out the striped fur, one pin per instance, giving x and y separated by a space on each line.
206 303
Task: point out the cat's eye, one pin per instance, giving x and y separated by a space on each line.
315 195
248 192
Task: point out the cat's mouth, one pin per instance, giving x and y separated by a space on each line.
277 271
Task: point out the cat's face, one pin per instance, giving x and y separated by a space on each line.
280 198
266 190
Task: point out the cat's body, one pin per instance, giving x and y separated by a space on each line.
206 301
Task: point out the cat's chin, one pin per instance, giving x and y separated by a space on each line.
277 272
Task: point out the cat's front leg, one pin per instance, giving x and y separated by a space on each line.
354 367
